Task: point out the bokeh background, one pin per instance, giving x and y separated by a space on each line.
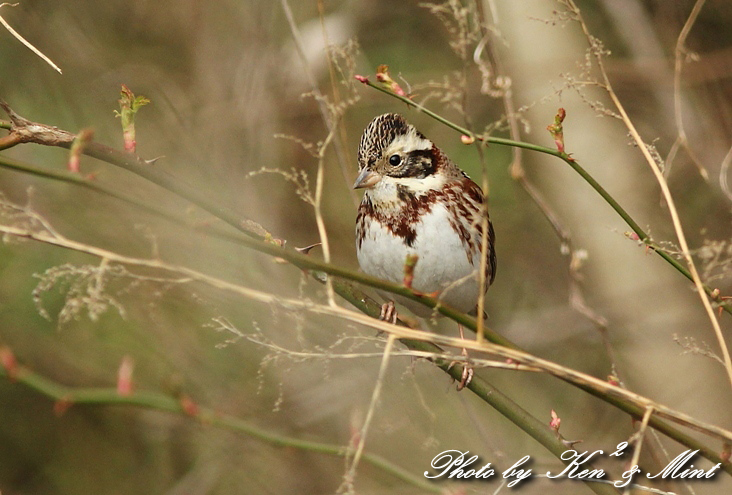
224 79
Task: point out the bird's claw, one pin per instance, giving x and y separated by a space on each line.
388 313
468 372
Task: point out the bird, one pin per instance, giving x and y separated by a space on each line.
419 204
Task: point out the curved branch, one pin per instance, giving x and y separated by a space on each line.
66 396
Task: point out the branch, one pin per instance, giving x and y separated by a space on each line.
412 339
680 53
693 275
24 41
642 235
427 342
68 396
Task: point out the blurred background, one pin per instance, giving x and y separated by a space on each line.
225 79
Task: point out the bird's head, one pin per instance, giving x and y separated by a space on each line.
393 149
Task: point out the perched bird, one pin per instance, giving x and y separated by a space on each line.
418 202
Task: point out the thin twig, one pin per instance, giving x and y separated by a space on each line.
320 222
724 172
94 184
24 41
666 194
350 475
680 55
340 145
639 436
330 119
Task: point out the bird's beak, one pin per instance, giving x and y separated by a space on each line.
367 178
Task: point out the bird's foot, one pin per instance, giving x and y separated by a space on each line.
389 314
467 375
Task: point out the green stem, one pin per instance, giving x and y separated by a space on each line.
160 402
87 183
642 235
536 429
528 423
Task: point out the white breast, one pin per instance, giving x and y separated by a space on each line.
443 264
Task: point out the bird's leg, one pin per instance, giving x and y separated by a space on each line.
467 375
409 265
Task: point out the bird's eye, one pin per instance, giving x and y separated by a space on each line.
395 160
